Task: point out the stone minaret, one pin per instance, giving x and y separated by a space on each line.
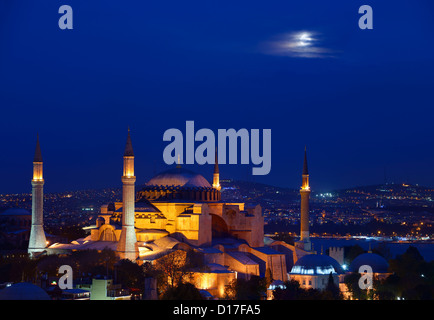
216 175
304 242
37 241
127 247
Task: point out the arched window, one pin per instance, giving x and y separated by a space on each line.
108 235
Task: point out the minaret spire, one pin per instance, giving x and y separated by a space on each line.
129 146
305 173
178 165
216 175
127 248
216 162
37 240
38 154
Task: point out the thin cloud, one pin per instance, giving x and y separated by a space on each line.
301 44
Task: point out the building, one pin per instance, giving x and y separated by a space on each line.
310 269
179 209
99 288
75 294
313 271
15 226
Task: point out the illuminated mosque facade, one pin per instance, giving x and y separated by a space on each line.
180 210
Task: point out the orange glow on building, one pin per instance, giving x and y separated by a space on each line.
128 166
305 182
37 171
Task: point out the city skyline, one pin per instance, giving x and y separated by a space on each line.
145 173
359 99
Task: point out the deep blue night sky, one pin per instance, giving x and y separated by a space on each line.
362 102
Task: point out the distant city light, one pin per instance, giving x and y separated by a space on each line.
327 194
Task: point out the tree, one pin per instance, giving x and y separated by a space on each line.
268 277
171 269
386 289
332 291
174 270
176 267
383 250
408 264
183 291
241 289
414 276
83 263
293 291
351 252
351 280
130 274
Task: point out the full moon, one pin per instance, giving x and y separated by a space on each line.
304 39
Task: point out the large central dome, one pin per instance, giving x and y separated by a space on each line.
179 177
179 184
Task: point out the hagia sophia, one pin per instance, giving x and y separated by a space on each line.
179 209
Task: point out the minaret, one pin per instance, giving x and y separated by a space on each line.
37 241
304 242
178 165
216 175
127 248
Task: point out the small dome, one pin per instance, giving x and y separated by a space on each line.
316 264
179 177
375 261
23 291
